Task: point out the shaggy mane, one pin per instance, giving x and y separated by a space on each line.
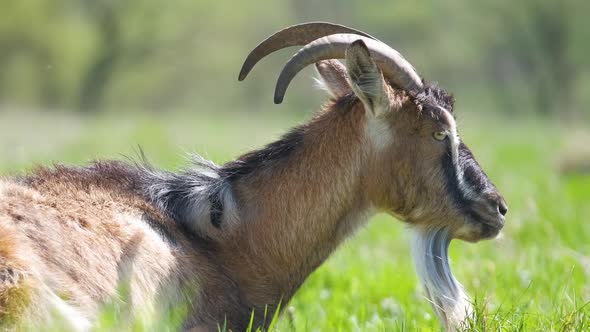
433 95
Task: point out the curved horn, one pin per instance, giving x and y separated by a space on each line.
393 65
300 34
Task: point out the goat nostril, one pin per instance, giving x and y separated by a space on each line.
502 207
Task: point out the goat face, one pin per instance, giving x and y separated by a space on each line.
428 177
419 169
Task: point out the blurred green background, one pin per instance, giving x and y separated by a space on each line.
501 56
88 79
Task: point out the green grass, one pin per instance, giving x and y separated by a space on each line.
536 277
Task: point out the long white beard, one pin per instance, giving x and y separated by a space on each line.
430 249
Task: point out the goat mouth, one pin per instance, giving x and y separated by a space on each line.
490 231
490 224
478 229
475 228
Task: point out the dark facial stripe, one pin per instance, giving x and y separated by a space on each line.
473 174
452 180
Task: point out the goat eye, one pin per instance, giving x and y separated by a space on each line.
439 135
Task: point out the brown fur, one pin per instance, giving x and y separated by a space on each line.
81 223
84 234
277 251
73 236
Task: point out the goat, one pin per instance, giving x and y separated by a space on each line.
229 243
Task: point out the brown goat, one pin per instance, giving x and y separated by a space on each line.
223 241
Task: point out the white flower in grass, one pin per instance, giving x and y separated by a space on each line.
391 306
325 294
525 277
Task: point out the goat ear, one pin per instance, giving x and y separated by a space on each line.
333 77
366 78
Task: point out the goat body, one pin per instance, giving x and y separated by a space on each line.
212 244
75 235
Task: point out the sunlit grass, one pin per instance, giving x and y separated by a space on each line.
536 277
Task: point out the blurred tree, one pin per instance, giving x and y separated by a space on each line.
40 58
18 42
105 15
535 46
91 55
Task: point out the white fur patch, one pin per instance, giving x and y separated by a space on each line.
445 293
379 132
321 85
455 142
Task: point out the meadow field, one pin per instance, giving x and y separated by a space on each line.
535 277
